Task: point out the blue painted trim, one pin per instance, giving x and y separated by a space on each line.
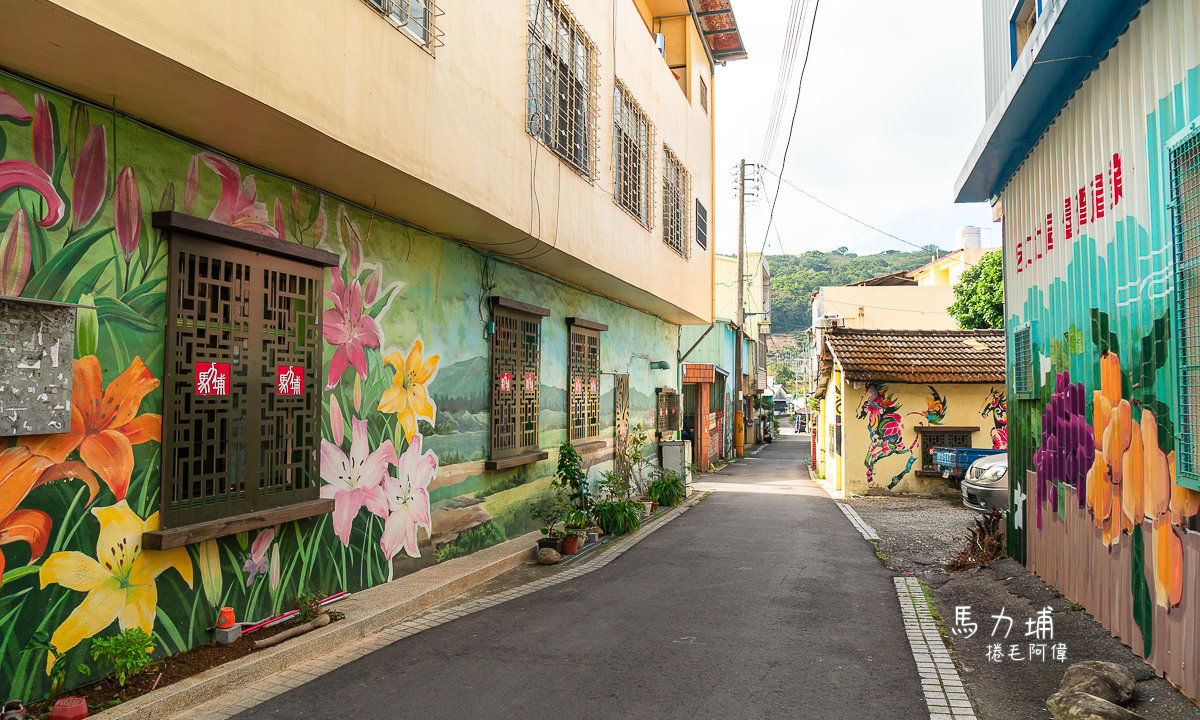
1078 36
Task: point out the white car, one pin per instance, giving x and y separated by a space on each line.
985 485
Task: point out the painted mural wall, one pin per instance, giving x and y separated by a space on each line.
405 390
1098 508
882 440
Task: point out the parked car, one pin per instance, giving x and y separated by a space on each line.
985 485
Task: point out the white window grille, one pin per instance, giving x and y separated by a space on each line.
1184 158
1023 362
561 85
676 190
633 166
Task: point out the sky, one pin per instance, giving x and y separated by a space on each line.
891 104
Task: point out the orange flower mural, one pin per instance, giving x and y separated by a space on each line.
1132 480
407 397
104 422
20 472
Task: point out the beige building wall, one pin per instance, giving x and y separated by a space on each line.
948 270
756 293
887 307
964 404
329 92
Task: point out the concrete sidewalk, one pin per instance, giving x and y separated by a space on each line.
763 601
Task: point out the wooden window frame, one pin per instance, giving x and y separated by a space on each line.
583 404
512 355
668 413
190 521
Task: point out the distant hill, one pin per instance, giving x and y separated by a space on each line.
794 278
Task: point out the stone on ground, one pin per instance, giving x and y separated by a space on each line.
1082 706
548 556
1105 680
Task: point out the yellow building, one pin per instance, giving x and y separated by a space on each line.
947 270
887 397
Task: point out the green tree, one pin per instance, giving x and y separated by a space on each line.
979 296
783 374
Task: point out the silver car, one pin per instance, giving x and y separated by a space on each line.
985 485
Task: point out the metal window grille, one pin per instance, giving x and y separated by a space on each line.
247 448
417 18
703 95
633 159
667 406
561 83
701 225
1023 362
583 383
1185 191
935 438
676 190
516 382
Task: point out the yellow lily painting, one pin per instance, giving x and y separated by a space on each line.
120 581
408 397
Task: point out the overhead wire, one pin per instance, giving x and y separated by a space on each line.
783 78
791 131
843 213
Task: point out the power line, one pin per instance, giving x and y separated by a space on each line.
783 79
791 130
843 213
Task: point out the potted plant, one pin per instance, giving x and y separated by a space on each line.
549 514
667 488
571 541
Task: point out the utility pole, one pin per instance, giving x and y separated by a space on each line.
739 420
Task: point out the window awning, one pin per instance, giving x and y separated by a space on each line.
720 30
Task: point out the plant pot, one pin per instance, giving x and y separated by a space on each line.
647 505
593 537
549 542
570 545
653 507
69 708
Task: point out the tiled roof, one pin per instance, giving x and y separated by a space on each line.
699 373
919 356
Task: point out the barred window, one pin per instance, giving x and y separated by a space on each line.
675 202
1185 190
516 381
414 17
583 378
666 401
1023 362
561 84
633 138
703 95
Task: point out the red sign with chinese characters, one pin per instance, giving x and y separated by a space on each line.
212 379
289 380
1080 207
506 382
595 386
577 386
529 383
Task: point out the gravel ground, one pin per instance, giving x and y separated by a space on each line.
917 535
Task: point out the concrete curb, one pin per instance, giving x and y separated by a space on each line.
375 608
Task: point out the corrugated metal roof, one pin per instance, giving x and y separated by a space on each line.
919 356
720 30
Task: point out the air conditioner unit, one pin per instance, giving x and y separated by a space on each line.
831 321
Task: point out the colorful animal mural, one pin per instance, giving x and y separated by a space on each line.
885 426
935 411
996 406
405 391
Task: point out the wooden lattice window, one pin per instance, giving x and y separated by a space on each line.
242 390
583 378
667 406
934 436
516 381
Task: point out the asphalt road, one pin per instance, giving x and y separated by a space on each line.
760 602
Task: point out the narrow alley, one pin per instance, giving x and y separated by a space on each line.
761 602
